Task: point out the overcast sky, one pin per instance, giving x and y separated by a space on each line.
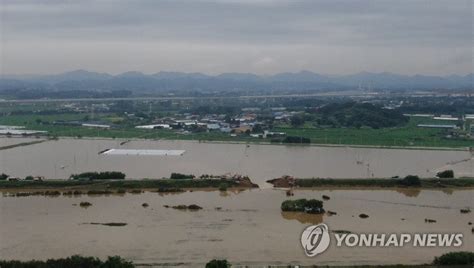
257 36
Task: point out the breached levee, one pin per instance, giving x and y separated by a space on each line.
143 152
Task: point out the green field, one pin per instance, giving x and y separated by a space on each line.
409 135
406 136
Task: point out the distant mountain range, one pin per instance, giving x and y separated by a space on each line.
178 81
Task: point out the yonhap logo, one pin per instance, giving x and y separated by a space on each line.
315 239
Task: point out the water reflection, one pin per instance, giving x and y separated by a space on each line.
302 217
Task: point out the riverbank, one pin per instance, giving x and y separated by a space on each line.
78 187
458 259
433 183
6 147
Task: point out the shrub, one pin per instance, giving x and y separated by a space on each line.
295 139
218 264
179 176
445 174
455 258
303 205
223 187
75 261
107 175
411 180
3 176
29 178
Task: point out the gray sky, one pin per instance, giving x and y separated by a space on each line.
258 36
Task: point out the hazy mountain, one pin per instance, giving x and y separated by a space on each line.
197 82
77 75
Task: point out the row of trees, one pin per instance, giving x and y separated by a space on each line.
107 175
350 114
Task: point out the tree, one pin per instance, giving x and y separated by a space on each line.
446 174
455 258
411 180
297 120
218 264
257 129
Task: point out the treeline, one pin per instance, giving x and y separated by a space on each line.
75 261
463 258
64 94
179 176
352 114
107 175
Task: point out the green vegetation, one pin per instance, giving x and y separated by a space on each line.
353 114
455 258
462 258
107 175
399 136
446 174
218 264
21 144
85 204
179 176
411 181
292 139
75 261
223 187
303 205
105 187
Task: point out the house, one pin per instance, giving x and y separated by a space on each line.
155 126
92 125
270 134
437 126
242 129
213 126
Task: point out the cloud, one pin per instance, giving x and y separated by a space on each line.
234 35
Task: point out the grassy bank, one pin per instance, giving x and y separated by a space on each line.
20 144
424 183
155 184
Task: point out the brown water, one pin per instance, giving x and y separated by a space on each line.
60 159
249 228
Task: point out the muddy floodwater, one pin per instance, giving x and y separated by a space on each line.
246 228
61 158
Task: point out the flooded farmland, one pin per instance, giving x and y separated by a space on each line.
247 228
59 159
